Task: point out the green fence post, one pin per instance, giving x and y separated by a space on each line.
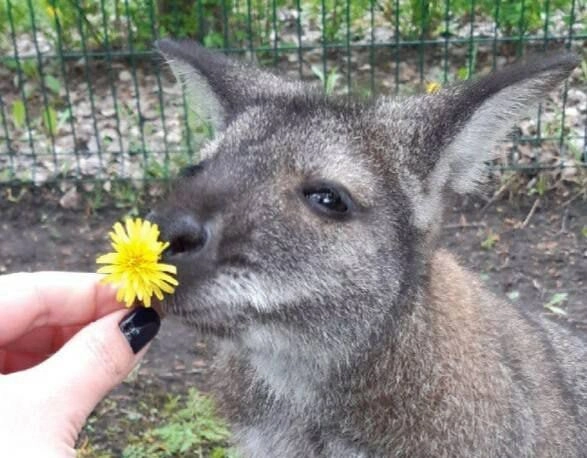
9 150
20 84
111 83
86 57
48 110
66 85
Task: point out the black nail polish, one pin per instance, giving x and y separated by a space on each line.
140 326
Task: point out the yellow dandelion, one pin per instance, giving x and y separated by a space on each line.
134 265
53 12
432 87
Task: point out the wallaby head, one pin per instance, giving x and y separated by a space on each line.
306 238
322 210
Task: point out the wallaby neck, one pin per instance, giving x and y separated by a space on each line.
298 365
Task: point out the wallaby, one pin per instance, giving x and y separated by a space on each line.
306 241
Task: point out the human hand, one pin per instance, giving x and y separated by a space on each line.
61 352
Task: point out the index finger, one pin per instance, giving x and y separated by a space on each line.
31 300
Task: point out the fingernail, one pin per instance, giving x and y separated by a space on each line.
139 327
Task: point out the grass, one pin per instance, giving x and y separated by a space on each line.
183 425
553 305
490 240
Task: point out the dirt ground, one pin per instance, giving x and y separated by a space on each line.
528 251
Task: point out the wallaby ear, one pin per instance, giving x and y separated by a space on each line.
483 111
218 88
461 125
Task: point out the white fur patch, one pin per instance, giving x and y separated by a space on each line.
290 367
427 207
211 147
476 142
265 294
236 292
201 98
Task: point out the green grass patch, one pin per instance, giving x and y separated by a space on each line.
187 427
176 426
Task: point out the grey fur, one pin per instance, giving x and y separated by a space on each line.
355 336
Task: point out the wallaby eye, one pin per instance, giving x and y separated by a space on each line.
328 200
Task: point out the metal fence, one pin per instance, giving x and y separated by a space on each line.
82 96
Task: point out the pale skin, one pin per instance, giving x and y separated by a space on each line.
61 352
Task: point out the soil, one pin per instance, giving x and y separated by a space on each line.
527 249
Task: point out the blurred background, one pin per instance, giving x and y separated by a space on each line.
82 95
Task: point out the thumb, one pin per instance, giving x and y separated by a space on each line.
96 359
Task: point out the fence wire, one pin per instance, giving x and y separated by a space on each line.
82 95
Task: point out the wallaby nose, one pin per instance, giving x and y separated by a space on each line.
183 232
